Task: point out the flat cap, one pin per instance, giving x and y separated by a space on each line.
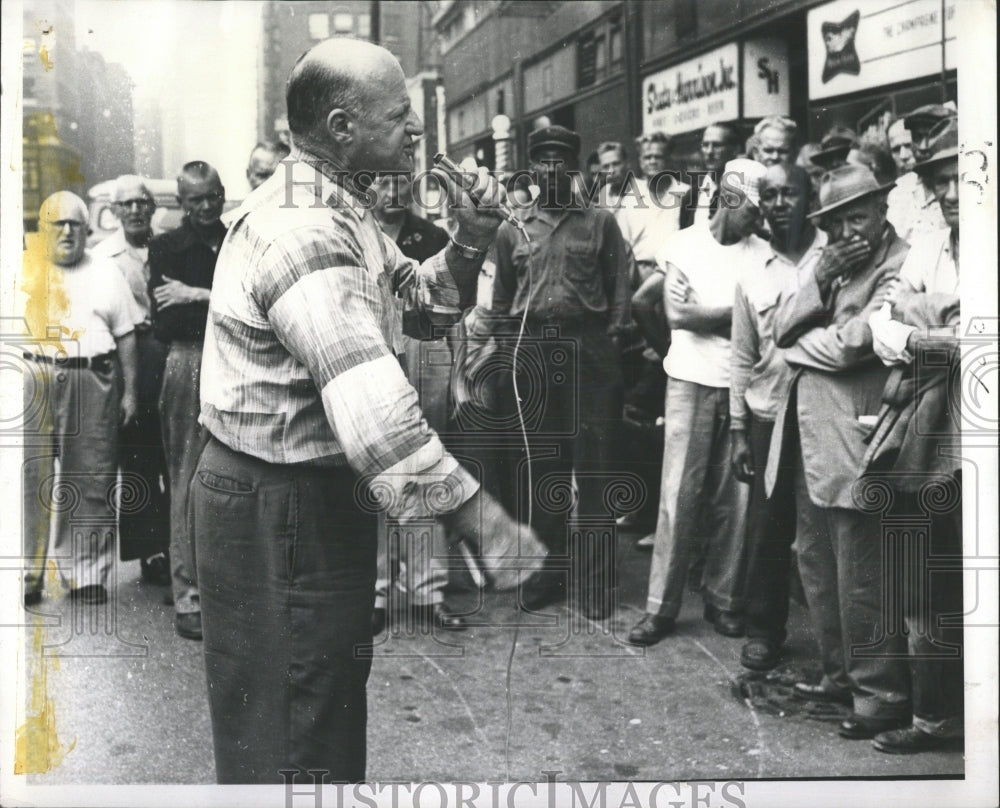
554 137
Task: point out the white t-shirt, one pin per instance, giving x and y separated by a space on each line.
712 270
80 310
647 224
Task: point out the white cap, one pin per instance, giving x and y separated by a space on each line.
745 175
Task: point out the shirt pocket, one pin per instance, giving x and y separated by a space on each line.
580 264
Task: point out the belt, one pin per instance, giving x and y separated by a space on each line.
101 362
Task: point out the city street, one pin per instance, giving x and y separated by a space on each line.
129 699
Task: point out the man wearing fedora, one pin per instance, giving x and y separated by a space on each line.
834 147
913 207
570 284
914 448
819 437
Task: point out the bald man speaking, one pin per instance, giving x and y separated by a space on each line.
314 428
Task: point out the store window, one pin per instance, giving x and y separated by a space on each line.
343 23
319 26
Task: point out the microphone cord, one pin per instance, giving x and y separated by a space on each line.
527 451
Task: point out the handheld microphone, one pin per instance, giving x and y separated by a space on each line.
445 164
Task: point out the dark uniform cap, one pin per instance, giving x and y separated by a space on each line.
554 137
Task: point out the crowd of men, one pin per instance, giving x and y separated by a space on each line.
773 313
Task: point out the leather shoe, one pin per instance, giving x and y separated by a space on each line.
759 654
861 728
378 621
188 625
910 741
32 597
155 570
91 594
729 624
651 629
542 588
807 692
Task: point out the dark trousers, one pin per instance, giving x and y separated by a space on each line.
571 391
144 519
183 440
769 537
286 562
932 608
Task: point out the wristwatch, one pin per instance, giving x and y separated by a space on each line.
472 253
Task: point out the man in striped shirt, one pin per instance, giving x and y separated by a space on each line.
314 428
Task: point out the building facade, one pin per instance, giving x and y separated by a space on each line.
291 28
611 70
77 110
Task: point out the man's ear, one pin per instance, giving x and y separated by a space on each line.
340 126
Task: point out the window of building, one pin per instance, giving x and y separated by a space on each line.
600 57
343 23
547 82
586 60
364 26
319 26
615 44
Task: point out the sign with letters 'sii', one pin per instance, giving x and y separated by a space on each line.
707 88
693 94
859 44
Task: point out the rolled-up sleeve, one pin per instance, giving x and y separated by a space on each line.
326 310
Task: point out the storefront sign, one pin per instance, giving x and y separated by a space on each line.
765 78
858 44
693 94
699 91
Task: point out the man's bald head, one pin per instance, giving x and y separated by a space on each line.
63 206
335 74
348 105
62 222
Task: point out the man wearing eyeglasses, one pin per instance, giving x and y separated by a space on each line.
181 268
143 530
79 386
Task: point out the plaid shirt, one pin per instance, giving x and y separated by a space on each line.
299 363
